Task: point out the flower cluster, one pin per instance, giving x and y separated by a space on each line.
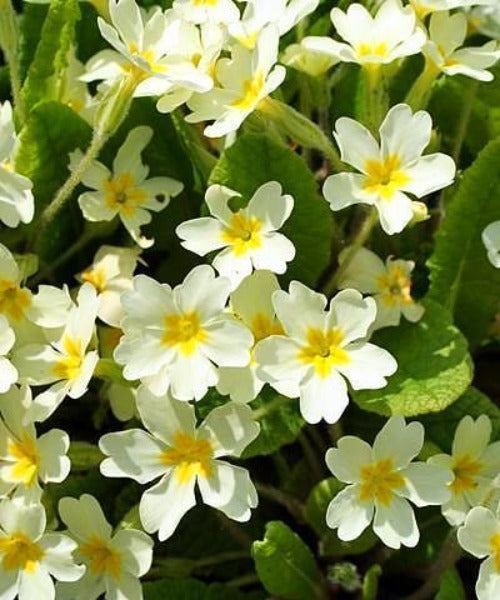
187 367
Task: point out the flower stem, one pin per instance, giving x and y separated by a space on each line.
463 121
359 240
301 129
110 114
376 101
420 92
450 553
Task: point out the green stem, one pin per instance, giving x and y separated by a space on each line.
311 456
376 100
420 92
450 553
243 580
294 507
301 129
359 240
235 531
463 121
89 234
65 191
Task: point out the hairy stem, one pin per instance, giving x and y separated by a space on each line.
450 553
359 240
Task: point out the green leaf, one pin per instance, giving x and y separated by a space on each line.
330 544
84 456
450 586
31 23
440 428
190 589
462 278
286 566
50 60
51 132
280 425
254 160
434 367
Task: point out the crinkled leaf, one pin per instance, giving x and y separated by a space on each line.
51 132
440 427
280 426
254 160
462 278
285 565
434 366
50 59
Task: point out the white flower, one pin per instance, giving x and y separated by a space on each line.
16 199
47 309
192 63
388 169
480 535
447 33
491 240
285 14
8 373
382 479
111 274
252 304
322 348
245 80
173 337
424 7
65 365
203 11
29 556
302 58
474 463
379 40
25 459
126 191
182 455
142 39
486 19
389 284
249 236
113 563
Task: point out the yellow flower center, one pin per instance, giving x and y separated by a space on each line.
263 326
243 234
248 41
149 57
184 331
252 89
103 559
465 469
24 454
189 456
14 300
395 287
20 553
69 366
379 480
323 350
205 2
384 177
97 277
122 195
366 49
495 546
